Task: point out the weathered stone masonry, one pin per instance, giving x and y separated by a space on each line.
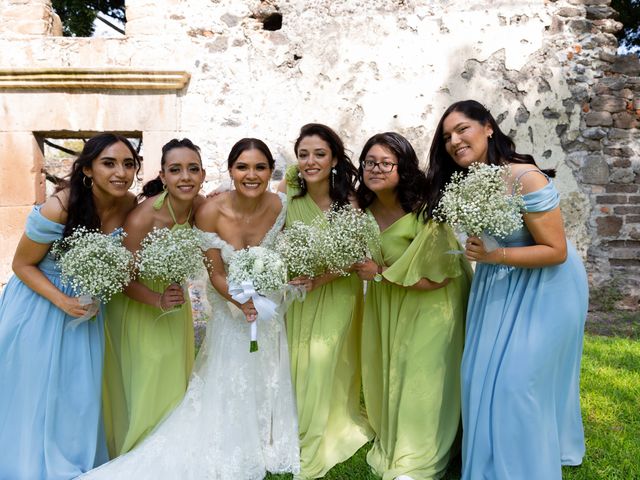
218 70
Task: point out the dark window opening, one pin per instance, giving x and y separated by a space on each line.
273 22
92 18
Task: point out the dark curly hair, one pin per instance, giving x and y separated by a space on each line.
500 151
412 185
81 208
155 186
344 180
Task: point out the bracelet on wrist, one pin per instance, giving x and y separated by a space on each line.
378 276
160 303
504 255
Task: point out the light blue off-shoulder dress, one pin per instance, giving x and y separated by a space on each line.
50 379
521 364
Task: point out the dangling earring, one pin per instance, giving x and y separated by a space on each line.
164 186
490 136
333 177
84 182
300 180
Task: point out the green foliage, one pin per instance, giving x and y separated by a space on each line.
629 11
78 16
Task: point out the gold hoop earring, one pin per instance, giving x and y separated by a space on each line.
84 182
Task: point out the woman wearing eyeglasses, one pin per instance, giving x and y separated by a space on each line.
414 309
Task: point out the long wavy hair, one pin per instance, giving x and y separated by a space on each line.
81 209
343 186
155 186
500 151
412 185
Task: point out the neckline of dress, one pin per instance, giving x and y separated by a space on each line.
278 219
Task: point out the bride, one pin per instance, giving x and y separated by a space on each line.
238 418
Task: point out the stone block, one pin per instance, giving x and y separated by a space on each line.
595 170
569 12
608 103
608 25
625 120
623 175
621 188
599 119
619 134
594 133
609 226
619 151
627 210
619 162
627 65
22 182
611 199
599 12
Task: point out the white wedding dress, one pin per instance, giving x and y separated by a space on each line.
238 418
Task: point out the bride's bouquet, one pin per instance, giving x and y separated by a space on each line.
478 203
346 238
254 273
95 265
171 256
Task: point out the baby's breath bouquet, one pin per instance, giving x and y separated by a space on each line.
479 203
346 238
300 247
171 256
254 273
95 265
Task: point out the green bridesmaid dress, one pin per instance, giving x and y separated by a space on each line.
324 335
411 350
148 361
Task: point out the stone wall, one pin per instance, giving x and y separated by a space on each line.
546 69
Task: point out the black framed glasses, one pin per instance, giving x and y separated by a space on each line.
384 167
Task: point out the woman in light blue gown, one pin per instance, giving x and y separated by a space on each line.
525 319
51 376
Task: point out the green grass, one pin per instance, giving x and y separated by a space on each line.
610 392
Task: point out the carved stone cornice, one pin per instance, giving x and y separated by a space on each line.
92 78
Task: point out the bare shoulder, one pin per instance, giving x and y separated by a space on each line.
141 216
528 176
210 210
55 207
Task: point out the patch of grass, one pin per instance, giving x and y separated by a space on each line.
610 393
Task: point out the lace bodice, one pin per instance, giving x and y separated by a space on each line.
211 240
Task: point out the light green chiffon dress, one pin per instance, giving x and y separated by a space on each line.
324 335
411 350
148 361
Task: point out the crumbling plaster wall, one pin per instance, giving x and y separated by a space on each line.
361 67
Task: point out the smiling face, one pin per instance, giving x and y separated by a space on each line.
112 171
315 159
375 179
251 173
182 173
465 140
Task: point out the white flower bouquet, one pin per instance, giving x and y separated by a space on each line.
346 238
300 247
253 273
95 265
479 204
171 256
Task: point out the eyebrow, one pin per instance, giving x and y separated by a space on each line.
115 159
